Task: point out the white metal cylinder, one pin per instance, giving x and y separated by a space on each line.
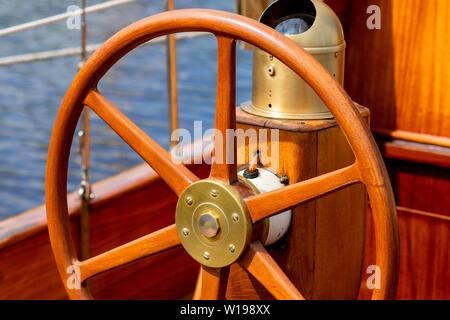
278 224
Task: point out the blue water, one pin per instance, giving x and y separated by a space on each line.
31 93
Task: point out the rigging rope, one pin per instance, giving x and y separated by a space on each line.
61 16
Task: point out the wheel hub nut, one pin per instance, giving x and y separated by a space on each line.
209 225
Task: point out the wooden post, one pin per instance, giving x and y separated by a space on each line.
85 189
327 235
172 80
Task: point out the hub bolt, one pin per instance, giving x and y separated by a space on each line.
214 193
189 200
235 217
209 225
185 232
231 248
206 255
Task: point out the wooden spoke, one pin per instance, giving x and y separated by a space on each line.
151 244
267 204
224 165
198 286
177 176
260 264
211 283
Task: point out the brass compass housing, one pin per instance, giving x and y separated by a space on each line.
213 223
278 92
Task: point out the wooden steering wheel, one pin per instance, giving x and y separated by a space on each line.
228 202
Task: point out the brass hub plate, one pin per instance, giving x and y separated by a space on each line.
213 223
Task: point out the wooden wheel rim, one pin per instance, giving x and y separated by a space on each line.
368 168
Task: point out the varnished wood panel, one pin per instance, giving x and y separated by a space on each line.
339 216
292 125
308 254
136 215
401 71
415 152
28 270
342 8
302 148
424 256
243 286
420 187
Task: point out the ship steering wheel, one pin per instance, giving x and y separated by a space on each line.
231 206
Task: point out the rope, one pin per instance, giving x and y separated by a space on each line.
73 51
61 16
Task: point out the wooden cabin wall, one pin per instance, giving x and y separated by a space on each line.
401 74
401 70
342 10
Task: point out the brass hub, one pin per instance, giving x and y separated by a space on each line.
213 223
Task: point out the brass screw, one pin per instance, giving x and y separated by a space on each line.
206 255
185 232
214 193
235 217
231 248
189 200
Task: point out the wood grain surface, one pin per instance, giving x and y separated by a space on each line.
401 71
